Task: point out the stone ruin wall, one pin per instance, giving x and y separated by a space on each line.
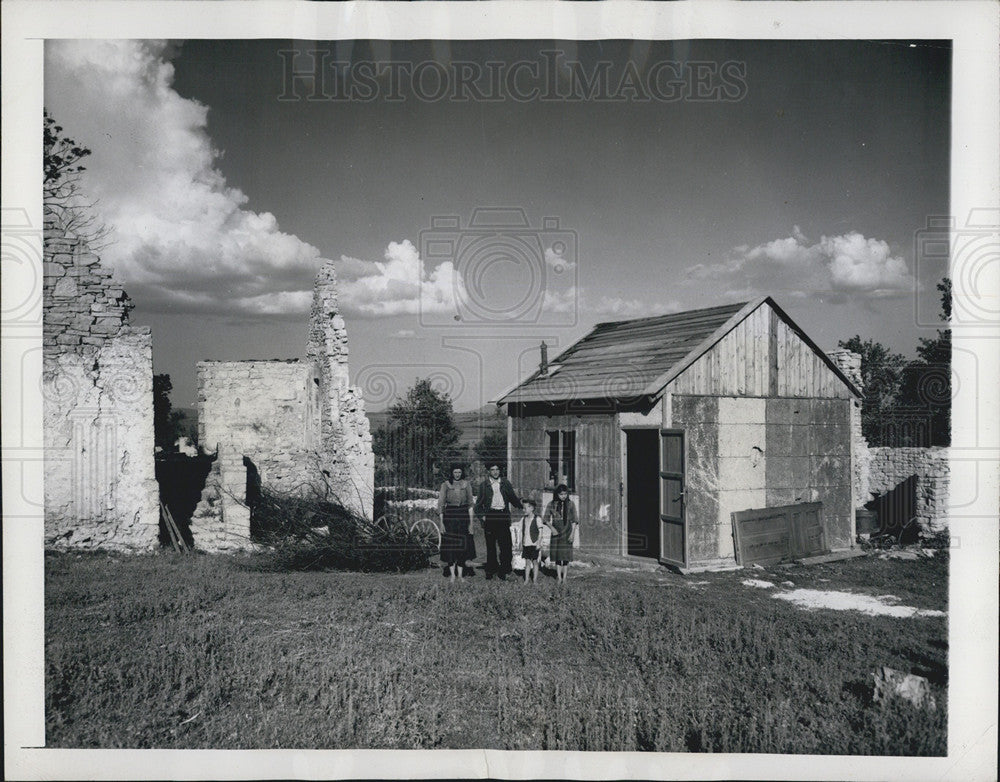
889 467
345 429
878 471
97 386
299 423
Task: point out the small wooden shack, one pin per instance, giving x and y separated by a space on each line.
670 429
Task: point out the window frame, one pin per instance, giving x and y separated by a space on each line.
562 457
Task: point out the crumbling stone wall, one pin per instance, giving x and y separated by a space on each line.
97 385
890 467
299 424
345 434
264 411
878 471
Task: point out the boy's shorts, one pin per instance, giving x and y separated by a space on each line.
530 552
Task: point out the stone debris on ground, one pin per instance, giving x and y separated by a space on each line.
890 683
899 554
757 582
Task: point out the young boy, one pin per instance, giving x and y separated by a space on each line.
531 539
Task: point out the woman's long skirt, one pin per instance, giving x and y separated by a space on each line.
457 544
561 546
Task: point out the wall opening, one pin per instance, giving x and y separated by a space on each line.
897 511
181 479
642 460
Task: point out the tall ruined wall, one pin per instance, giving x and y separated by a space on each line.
263 411
346 433
97 385
300 425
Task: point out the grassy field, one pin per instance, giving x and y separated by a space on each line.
201 651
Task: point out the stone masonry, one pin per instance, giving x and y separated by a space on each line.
889 467
878 471
345 431
97 386
299 424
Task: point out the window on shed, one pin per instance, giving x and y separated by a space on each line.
562 457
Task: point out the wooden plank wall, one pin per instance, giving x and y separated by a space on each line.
740 364
736 366
802 373
598 470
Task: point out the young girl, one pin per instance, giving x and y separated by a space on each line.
531 538
560 515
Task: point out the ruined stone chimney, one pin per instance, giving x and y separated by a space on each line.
543 367
345 431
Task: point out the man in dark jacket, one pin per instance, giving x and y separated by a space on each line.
493 503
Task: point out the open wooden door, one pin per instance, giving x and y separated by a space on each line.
673 531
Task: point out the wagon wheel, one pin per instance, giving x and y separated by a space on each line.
428 535
391 526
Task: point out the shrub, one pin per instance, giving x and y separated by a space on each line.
303 533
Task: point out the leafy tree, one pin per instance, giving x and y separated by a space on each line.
418 440
926 382
881 375
61 191
167 423
492 446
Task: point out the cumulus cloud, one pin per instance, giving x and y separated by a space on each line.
561 302
836 268
182 238
398 285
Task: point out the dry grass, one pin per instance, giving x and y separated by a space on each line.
200 651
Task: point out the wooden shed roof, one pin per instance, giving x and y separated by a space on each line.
628 359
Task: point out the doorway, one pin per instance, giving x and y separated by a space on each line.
642 465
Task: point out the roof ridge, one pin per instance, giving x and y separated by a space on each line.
736 305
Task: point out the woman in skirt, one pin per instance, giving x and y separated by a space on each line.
560 517
455 509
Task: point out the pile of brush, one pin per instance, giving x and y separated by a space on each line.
304 533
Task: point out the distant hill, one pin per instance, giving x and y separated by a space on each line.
472 422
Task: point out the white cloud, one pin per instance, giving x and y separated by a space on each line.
396 286
835 268
560 302
182 239
865 265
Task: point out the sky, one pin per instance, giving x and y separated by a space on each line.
479 197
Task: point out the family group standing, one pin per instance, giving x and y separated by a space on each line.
551 533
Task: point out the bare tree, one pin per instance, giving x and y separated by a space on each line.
61 186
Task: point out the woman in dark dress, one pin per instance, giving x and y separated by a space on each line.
455 509
560 517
